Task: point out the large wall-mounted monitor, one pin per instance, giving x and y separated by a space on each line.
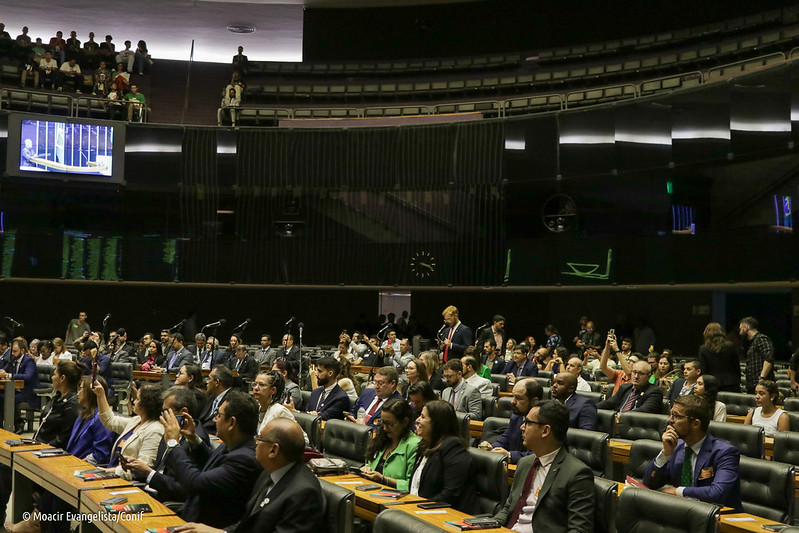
41 146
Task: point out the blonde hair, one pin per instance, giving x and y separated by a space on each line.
451 310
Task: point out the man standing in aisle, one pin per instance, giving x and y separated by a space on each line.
456 336
759 355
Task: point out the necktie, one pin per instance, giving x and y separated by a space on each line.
528 484
321 400
446 348
687 472
373 410
630 403
172 363
452 396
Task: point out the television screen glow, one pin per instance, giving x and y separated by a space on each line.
70 148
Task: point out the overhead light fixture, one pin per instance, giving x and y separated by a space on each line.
240 28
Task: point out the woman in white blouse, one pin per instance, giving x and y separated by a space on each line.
708 387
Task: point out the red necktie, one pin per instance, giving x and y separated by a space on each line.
528 484
372 411
446 348
630 403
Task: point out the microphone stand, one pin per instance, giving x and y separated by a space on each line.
380 352
301 326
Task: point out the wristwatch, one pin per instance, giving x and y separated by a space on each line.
172 443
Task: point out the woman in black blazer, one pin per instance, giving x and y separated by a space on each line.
444 471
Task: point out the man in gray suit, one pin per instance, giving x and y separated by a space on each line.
180 356
463 396
552 489
265 355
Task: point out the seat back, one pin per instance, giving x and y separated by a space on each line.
122 372
642 452
546 374
591 447
45 375
793 419
396 521
596 397
786 447
606 421
488 406
463 423
792 404
494 427
643 510
310 424
491 479
347 441
748 439
737 403
306 395
544 382
634 425
767 488
606 497
340 505
501 380
504 409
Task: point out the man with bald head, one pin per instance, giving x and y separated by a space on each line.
287 496
582 411
574 366
639 395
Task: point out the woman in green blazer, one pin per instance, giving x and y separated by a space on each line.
392 452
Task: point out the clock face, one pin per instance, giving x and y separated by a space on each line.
423 264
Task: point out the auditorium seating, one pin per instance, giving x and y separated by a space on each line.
591 447
605 502
606 421
493 428
488 406
310 425
123 380
642 452
340 503
642 510
748 439
634 425
595 396
491 479
396 521
737 403
347 441
767 489
463 424
504 409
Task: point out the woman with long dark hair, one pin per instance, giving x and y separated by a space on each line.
392 453
707 386
719 358
415 371
444 471
191 377
292 395
767 415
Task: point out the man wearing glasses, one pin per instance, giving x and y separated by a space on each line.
552 490
372 400
695 464
639 395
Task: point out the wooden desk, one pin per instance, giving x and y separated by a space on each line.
727 523
476 428
166 378
439 519
7 452
620 451
90 504
508 395
366 505
139 526
9 387
736 419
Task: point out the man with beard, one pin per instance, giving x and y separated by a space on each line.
526 392
328 400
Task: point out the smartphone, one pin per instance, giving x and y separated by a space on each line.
368 486
774 527
94 373
612 333
122 461
434 505
116 500
181 419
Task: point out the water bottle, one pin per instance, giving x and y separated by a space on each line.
361 413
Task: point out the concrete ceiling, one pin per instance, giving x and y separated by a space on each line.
168 26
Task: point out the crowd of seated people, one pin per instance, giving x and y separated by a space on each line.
418 446
64 65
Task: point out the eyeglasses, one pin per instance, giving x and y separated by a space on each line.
678 415
527 421
639 373
258 439
386 423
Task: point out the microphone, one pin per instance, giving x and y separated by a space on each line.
243 325
14 322
290 321
216 324
438 335
178 325
300 325
106 319
382 330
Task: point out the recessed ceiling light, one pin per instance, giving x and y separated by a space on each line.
241 28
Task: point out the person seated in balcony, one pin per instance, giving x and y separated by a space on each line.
115 105
31 63
58 47
91 51
121 77
101 81
73 46
136 104
107 49
127 57
141 57
228 107
71 76
48 71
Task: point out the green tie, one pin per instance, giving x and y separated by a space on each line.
687 476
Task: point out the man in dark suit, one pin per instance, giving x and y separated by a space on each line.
552 489
160 480
328 400
198 346
288 351
526 393
520 366
711 474
217 482
118 354
691 370
287 496
582 411
180 356
639 395
21 366
456 336
372 400
243 363
211 355
220 379
496 333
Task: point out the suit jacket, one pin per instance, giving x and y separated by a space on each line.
248 369
265 358
582 412
468 400
449 476
91 438
163 480
715 476
142 443
28 373
650 401
292 355
529 369
497 366
103 368
512 441
461 339
488 334
295 505
123 356
334 406
206 417
218 484
178 359
57 419
566 501
366 398
218 357
674 391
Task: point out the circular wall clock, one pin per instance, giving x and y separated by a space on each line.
423 264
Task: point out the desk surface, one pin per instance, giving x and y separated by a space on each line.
7 451
439 519
366 504
90 500
730 523
147 522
